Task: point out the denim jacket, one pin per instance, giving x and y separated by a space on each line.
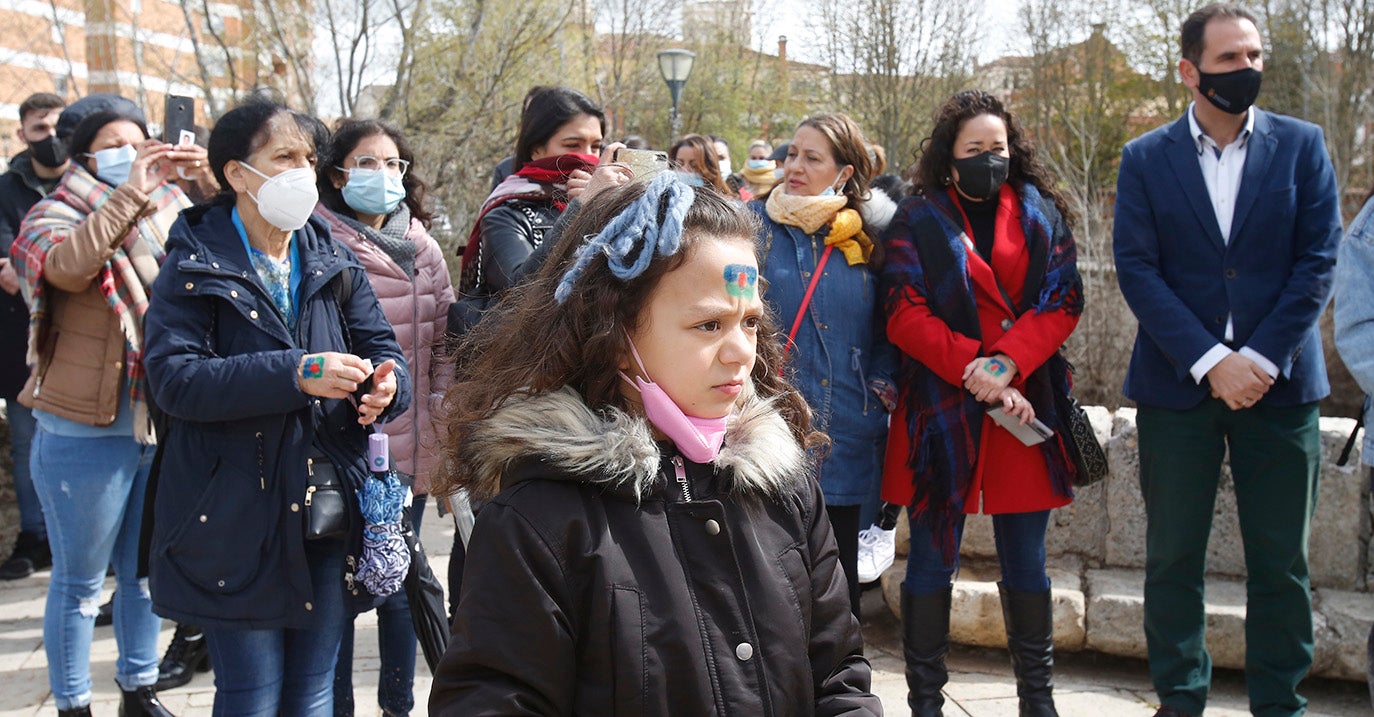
1355 311
841 360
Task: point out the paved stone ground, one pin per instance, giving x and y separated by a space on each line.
981 684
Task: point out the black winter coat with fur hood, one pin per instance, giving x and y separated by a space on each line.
597 584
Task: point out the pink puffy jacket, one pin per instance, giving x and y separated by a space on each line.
418 311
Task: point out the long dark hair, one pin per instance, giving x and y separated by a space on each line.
528 343
345 140
934 159
546 110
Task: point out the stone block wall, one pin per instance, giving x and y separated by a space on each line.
1096 557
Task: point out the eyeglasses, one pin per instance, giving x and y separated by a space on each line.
372 164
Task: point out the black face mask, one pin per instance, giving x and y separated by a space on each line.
1231 92
982 176
48 152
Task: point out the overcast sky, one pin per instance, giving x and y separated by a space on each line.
796 20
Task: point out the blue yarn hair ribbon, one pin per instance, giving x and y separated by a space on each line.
636 227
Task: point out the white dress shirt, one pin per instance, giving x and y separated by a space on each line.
1222 168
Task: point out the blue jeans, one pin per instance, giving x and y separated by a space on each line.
1020 539
92 493
22 427
264 673
396 644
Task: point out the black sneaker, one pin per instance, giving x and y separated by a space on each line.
30 554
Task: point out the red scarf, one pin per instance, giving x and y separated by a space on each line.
535 181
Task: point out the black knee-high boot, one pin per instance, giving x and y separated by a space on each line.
925 642
1030 638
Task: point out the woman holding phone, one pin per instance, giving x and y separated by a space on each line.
981 290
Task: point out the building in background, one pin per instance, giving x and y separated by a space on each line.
147 49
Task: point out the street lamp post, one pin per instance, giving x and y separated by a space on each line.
676 66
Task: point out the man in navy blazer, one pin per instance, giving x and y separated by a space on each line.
1227 223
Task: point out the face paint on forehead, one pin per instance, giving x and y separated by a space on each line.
740 280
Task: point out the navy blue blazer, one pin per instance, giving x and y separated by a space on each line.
1274 276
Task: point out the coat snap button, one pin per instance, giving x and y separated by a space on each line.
295 508
204 518
1230 273
220 583
214 264
825 382
308 606
253 314
744 651
1006 324
712 527
233 293
190 285
193 257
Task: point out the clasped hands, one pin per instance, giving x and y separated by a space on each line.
337 375
1238 381
989 379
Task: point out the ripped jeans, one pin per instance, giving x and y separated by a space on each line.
92 494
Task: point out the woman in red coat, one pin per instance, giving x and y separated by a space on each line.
981 290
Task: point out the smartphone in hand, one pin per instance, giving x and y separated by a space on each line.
364 388
1030 433
179 120
644 163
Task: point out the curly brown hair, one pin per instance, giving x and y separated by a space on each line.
931 171
529 343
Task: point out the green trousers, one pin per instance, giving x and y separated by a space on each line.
1275 457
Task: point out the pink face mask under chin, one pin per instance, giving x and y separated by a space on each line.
699 439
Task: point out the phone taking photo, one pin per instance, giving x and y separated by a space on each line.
644 163
179 120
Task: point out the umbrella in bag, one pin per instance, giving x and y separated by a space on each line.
428 612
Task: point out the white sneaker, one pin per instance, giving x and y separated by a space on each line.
877 550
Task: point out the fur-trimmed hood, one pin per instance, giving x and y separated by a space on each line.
760 457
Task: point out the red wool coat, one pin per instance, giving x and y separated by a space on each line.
1009 477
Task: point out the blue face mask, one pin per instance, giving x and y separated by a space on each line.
113 165
691 179
373 191
757 164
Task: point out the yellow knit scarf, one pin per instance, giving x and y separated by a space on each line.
761 179
811 213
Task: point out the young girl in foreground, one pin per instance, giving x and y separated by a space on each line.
652 540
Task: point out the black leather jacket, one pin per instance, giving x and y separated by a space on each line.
509 234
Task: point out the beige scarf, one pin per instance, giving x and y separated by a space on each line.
811 213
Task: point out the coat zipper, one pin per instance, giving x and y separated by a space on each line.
309 489
681 471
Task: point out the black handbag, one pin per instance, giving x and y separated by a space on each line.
1083 449
327 513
